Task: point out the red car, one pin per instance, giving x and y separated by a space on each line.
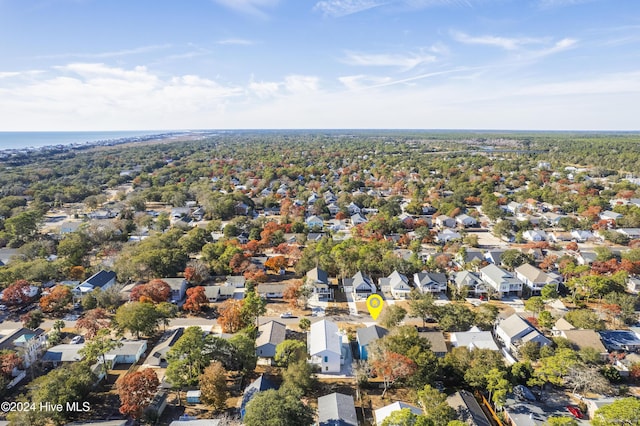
575 411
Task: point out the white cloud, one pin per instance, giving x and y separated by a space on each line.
249 7
361 81
337 8
236 42
111 54
301 84
507 43
403 61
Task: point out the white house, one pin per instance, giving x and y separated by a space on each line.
515 331
474 339
502 281
103 280
360 286
474 285
534 235
581 235
129 352
314 222
325 346
384 412
397 284
466 220
445 221
178 288
447 235
357 219
318 280
535 278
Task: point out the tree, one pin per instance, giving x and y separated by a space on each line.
390 367
435 407
136 391
534 304
276 263
546 319
196 272
549 292
513 258
403 417
584 318
455 317
196 299
57 301
97 347
290 351
252 307
58 325
392 315
166 311
213 386
74 247
624 411
23 226
188 357
155 291
584 379
304 324
422 306
32 319
498 386
230 318
299 374
137 318
17 294
277 408
243 352
92 321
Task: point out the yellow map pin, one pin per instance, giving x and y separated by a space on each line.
374 304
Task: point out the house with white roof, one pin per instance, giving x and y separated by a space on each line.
534 235
581 235
324 344
474 339
504 282
397 284
466 221
447 235
384 412
358 219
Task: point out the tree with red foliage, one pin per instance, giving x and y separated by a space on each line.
136 391
231 319
592 213
17 293
92 321
256 274
634 372
276 263
252 247
294 294
196 272
57 301
572 246
9 360
239 263
196 299
391 366
155 291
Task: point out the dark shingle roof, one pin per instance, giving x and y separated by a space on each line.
337 409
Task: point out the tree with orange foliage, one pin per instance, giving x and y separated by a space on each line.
391 367
57 301
17 293
9 360
92 321
196 299
77 273
276 263
230 318
256 274
293 294
592 213
136 391
154 291
572 246
196 272
239 263
548 262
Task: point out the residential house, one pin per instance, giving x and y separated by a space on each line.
271 290
360 286
581 339
535 235
515 331
178 288
102 280
270 335
469 256
581 235
466 221
333 209
438 342
430 282
235 281
218 292
353 209
631 233
260 384
358 219
129 352
397 284
26 342
384 412
407 220
468 408
158 355
447 235
337 409
502 281
314 222
513 207
610 215
472 282
444 221
65 353
633 285
318 280
535 278
494 256
620 340
474 339
364 336
325 346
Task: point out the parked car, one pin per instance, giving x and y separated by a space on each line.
77 340
575 412
3 307
286 315
523 393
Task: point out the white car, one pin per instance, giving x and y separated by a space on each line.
76 340
3 307
286 315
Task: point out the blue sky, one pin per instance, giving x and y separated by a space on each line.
424 64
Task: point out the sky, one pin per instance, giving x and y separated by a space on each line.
289 64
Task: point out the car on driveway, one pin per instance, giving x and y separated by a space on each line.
286 315
575 412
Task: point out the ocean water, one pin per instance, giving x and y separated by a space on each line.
21 140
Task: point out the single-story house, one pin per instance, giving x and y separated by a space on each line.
384 412
620 340
271 290
366 335
444 221
468 409
466 221
314 222
260 384
534 235
447 235
474 339
585 339
158 354
270 335
218 292
129 353
337 409
59 354
236 281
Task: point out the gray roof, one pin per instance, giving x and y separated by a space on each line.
514 325
337 409
428 277
436 338
369 334
168 339
63 353
272 332
174 283
318 275
101 278
472 409
260 384
129 347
